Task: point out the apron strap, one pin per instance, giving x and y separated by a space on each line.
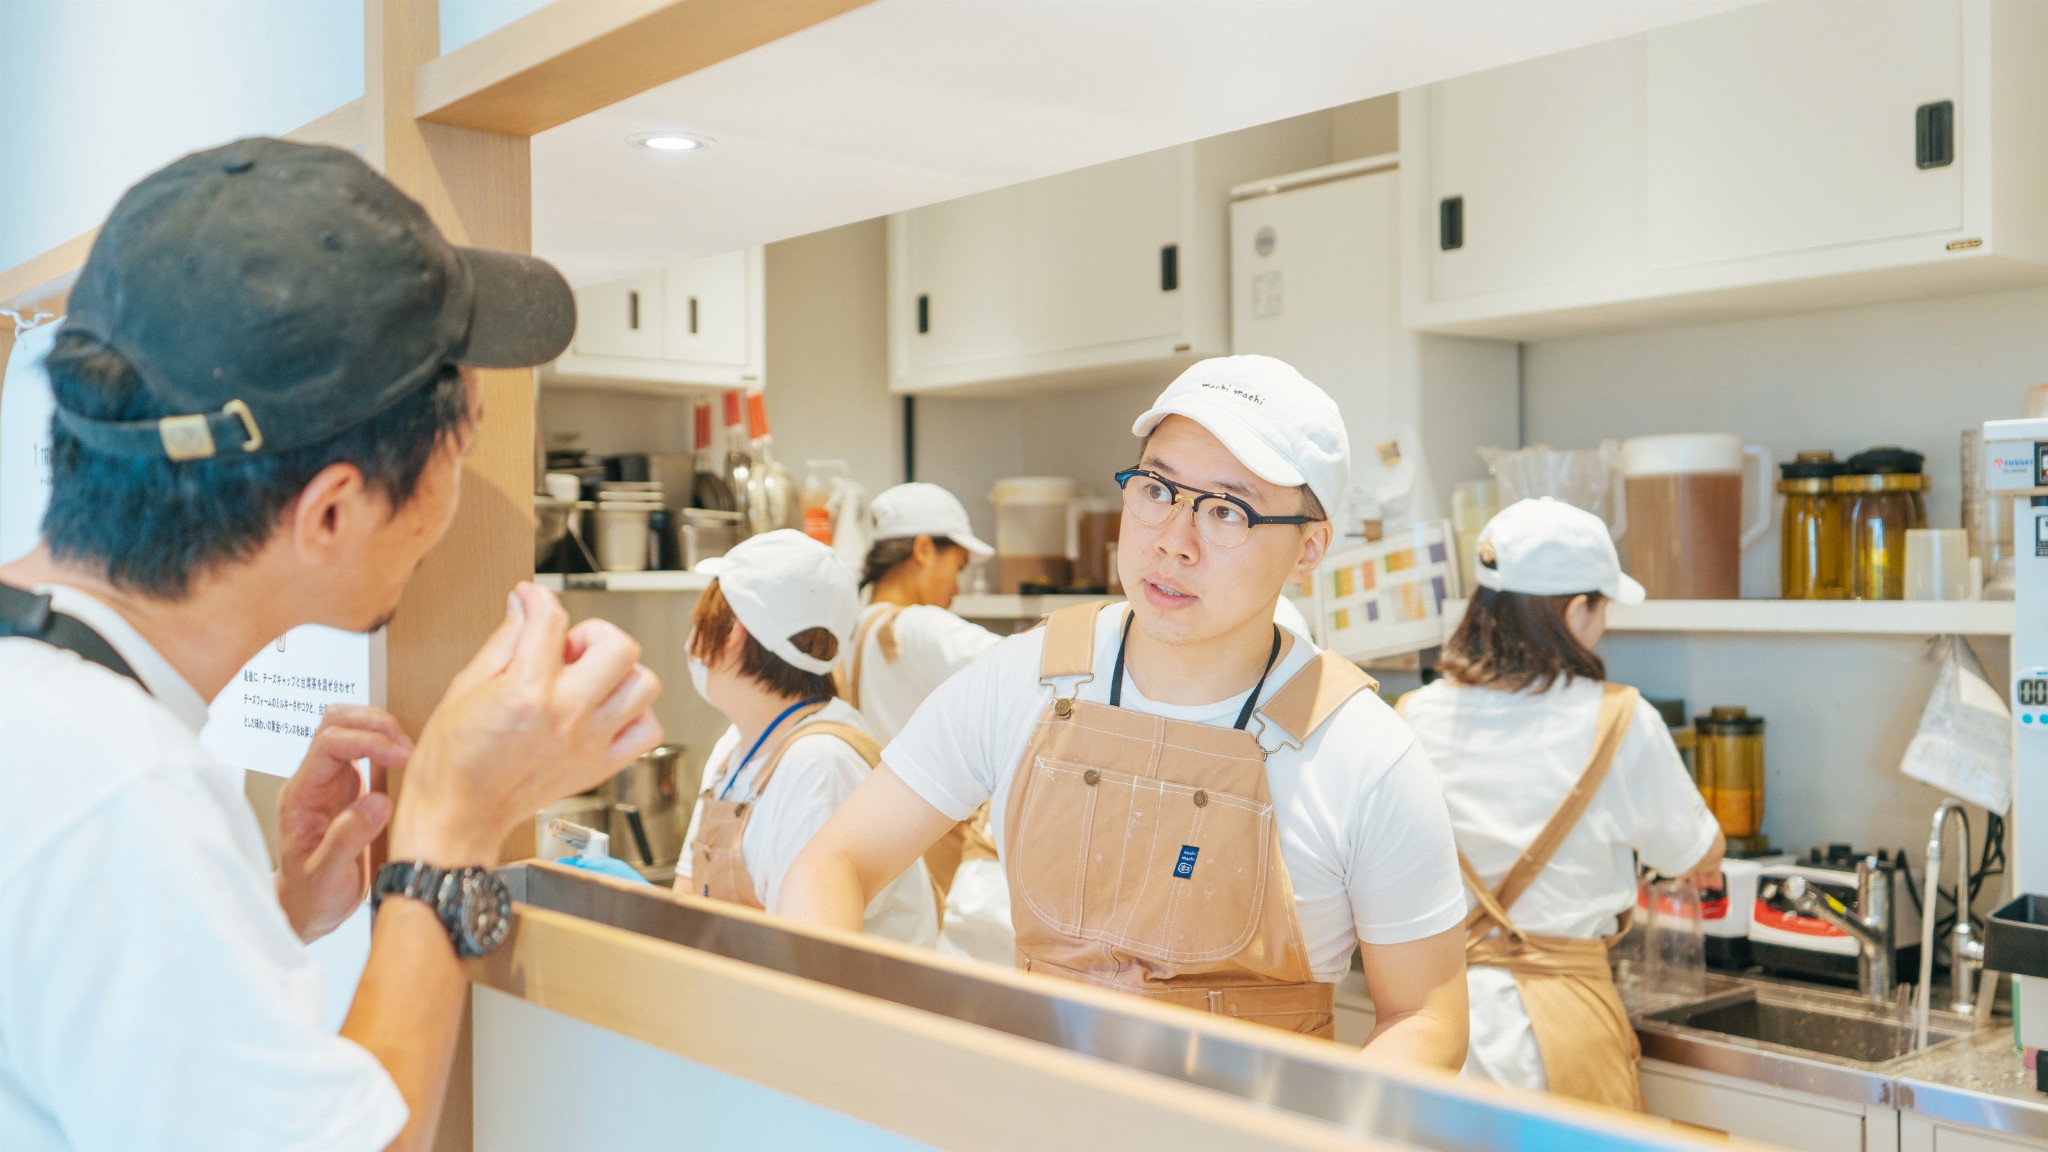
1489 909
849 678
1312 695
1070 644
860 741
28 614
1617 710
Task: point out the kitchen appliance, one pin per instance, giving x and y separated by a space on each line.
1811 528
1726 909
1785 940
1883 487
1685 513
648 803
1032 515
1987 517
1729 769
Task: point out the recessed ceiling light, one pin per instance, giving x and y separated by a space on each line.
671 141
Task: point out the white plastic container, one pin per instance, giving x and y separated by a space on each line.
623 530
1033 531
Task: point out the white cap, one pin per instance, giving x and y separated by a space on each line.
783 583
1283 428
1549 548
910 510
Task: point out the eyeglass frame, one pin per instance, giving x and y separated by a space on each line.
1253 517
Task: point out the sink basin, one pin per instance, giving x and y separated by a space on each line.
1808 1025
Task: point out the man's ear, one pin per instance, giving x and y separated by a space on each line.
335 505
1315 544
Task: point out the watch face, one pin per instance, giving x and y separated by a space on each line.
483 913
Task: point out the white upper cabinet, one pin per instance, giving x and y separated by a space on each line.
1113 273
695 326
1793 154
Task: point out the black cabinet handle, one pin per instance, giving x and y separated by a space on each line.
1450 223
633 311
1934 134
924 313
693 315
1169 268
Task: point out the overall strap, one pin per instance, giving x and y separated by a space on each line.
1617 709
1070 644
1312 695
849 681
28 614
862 743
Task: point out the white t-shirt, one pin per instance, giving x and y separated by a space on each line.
152 993
815 777
1362 827
932 644
1506 761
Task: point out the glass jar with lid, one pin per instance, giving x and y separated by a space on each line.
1883 488
1811 539
1730 771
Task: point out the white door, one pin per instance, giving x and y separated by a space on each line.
1102 252
1546 158
622 318
964 283
1791 126
1315 281
705 311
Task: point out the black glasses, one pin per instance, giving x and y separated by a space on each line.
1220 518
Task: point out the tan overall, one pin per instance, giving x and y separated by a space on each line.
1143 853
1582 1031
717 867
967 840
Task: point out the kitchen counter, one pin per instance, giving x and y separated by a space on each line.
1973 1078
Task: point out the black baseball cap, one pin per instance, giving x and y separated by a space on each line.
272 294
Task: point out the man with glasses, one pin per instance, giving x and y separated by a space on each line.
1190 803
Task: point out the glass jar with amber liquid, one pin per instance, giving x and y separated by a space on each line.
1729 769
1883 489
1811 541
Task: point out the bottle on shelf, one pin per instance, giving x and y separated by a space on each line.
741 471
779 503
709 488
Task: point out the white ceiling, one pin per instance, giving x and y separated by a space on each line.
909 102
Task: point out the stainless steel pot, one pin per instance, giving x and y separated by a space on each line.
649 802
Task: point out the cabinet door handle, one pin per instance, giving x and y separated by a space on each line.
693 315
1169 268
924 313
1934 134
633 311
1450 223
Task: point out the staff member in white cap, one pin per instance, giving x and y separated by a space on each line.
1557 781
761 644
1192 804
906 644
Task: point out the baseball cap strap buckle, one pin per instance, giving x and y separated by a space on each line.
195 437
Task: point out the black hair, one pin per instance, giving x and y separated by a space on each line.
885 555
1515 640
151 525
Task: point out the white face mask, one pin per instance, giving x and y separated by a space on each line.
700 672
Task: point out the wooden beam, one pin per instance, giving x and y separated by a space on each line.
576 56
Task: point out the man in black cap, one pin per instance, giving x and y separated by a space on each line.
263 394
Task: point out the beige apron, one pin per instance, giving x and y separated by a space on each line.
1143 853
1582 1031
967 840
717 867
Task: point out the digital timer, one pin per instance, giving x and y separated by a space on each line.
2032 692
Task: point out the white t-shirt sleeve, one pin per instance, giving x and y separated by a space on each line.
948 642
951 752
169 1004
1403 866
815 777
1668 822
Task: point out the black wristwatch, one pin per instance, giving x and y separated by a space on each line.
472 903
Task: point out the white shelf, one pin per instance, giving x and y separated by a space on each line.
999 607
691 582
1822 617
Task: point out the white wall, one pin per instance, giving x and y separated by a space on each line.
1839 710
98 95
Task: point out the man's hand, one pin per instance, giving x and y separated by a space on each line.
326 819
543 711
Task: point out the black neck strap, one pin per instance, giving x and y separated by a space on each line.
27 614
1251 703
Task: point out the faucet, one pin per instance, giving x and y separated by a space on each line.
1871 927
1966 952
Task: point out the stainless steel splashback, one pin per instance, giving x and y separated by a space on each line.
1420 1112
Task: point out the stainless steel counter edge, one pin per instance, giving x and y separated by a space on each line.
1978 1081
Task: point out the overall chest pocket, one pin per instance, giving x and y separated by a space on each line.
1162 870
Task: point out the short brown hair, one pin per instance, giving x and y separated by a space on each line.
713 622
1512 640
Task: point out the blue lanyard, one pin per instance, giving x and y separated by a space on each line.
769 731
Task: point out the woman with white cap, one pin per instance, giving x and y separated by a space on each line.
762 640
906 644
1192 803
1557 782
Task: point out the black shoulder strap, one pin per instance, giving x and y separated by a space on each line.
24 613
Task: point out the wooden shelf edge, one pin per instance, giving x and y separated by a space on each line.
676 582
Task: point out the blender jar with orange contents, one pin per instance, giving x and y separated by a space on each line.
1730 774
